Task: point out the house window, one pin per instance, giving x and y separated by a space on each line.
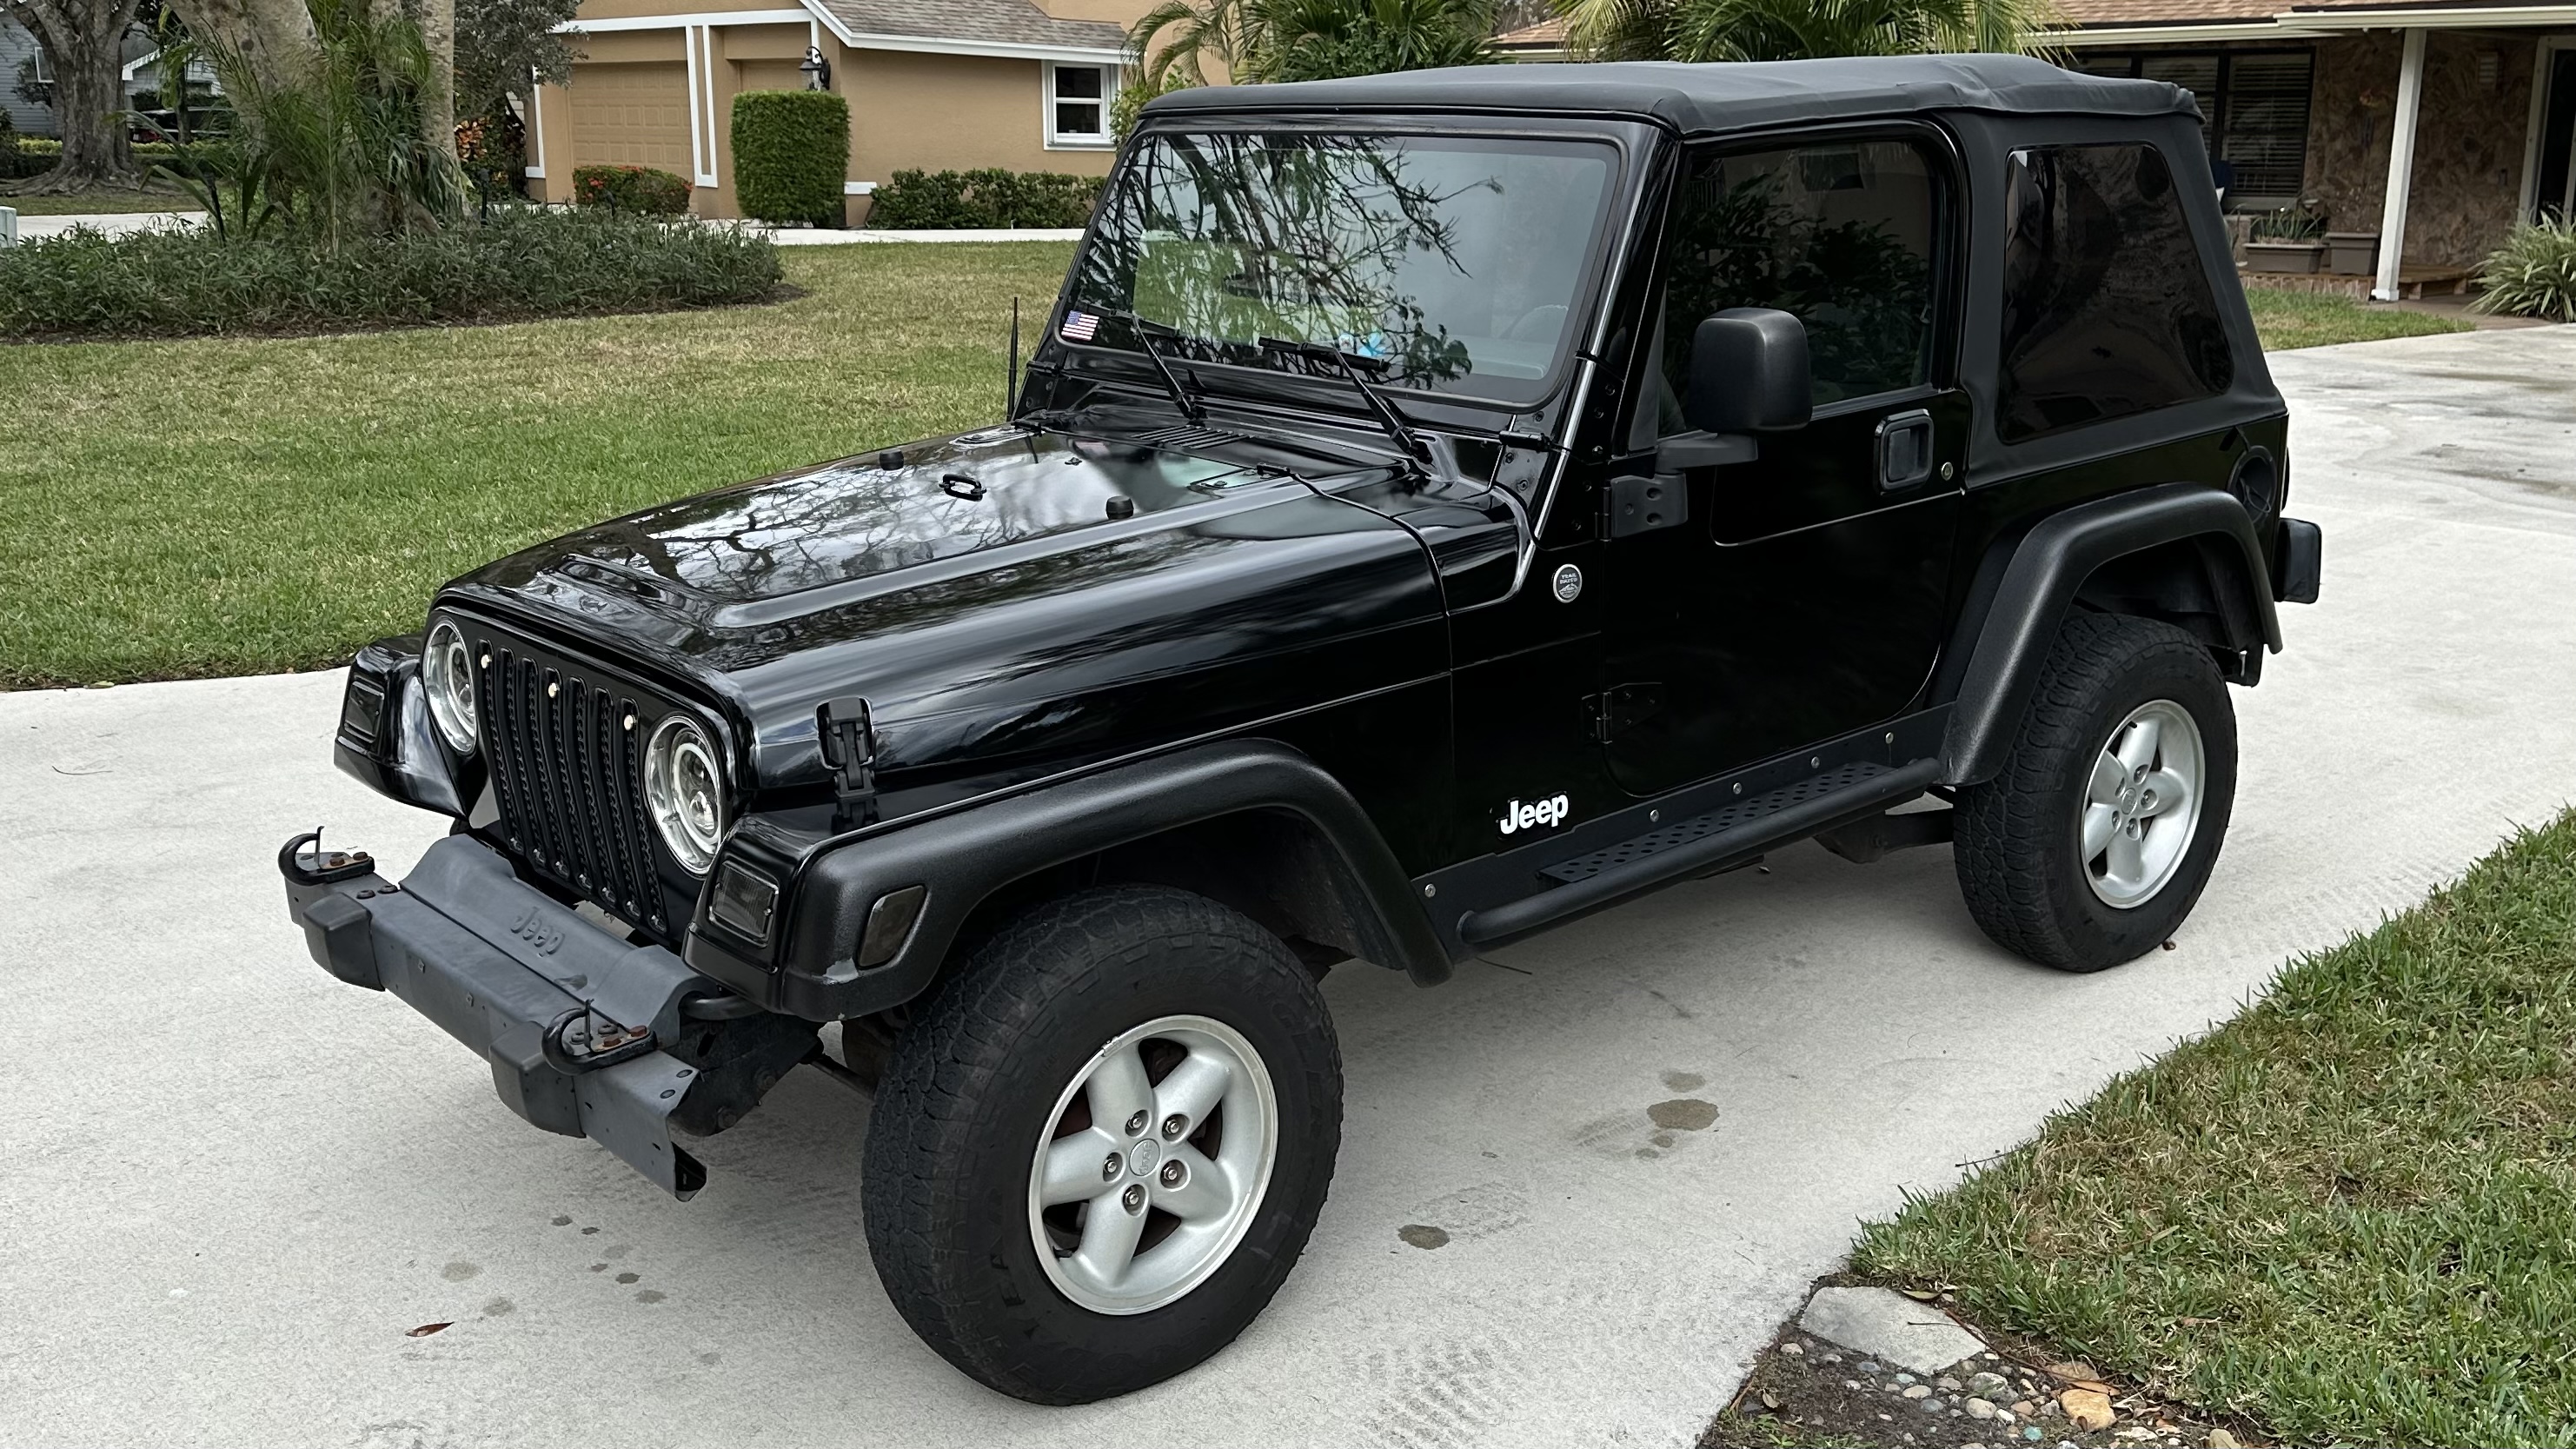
2254 109
1078 104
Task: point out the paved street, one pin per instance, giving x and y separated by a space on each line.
228 1184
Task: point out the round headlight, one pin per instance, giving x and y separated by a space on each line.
447 669
684 788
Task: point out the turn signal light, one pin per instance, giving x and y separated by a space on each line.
890 923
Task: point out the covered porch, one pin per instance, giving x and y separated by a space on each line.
2431 129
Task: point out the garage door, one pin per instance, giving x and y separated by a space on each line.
632 115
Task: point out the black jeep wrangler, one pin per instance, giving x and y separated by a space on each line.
1441 505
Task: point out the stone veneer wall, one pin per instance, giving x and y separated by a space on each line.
2468 140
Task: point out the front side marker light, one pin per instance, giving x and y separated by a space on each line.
745 901
890 923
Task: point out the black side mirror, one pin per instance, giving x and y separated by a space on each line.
1749 373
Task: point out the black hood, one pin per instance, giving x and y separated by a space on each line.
994 596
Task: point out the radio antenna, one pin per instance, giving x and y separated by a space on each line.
1011 368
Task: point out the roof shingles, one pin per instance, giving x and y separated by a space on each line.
997 22
2091 14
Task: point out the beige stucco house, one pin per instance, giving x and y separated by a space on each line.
932 84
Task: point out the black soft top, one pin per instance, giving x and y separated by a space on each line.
1711 99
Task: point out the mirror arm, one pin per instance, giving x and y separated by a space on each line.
1705 450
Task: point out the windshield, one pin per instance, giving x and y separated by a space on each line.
1454 261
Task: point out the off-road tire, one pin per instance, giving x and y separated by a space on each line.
2018 845
971 1085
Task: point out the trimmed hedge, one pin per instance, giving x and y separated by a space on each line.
791 153
955 200
36 155
519 264
638 189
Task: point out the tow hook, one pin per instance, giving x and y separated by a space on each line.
581 1040
318 866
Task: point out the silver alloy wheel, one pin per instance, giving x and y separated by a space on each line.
2142 804
1142 1187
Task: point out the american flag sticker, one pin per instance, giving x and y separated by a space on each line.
1078 327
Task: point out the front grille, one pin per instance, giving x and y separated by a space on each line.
566 752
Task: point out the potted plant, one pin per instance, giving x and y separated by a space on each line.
2291 239
2352 253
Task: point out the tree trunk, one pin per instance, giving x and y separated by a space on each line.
437 20
83 39
273 38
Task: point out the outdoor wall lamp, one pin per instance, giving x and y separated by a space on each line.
818 71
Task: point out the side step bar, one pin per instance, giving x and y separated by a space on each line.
1705 843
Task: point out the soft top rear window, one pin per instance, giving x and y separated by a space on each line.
2107 310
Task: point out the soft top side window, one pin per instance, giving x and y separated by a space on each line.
1843 234
2107 310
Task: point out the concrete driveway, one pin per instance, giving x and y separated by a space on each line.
228 1185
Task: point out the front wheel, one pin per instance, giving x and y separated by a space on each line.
1099 1149
2092 843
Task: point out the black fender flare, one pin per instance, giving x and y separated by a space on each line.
964 856
2005 643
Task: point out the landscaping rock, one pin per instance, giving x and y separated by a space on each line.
2087 1409
1889 1326
1980 1409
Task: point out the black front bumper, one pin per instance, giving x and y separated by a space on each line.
499 965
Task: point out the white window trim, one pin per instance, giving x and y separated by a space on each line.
1047 133
536 167
2542 54
698 43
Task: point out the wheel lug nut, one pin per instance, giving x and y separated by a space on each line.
1133 1199
1136 1125
1173 1126
1173 1172
1109 1167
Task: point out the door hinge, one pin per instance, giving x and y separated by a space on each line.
1634 504
1610 713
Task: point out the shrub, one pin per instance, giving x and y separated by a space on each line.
2534 273
639 189
950 200
521 263
791 153
32 156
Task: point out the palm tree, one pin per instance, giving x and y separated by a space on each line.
1173 43
1318 39
1282 40
1705 30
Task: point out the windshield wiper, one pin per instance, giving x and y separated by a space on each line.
1408 442
1146 332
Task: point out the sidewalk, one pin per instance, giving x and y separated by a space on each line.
111 223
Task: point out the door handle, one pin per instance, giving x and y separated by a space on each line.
1904 449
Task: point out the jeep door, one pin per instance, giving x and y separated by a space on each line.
1802 595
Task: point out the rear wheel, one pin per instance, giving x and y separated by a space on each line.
2093 842
1097 1152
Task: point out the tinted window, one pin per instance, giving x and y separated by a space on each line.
1841 235
2106 309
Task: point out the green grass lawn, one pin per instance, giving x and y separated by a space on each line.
2306 319
230 506
2348 1214
95 202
